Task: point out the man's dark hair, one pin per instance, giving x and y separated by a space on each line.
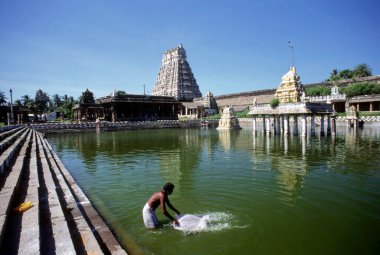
169 187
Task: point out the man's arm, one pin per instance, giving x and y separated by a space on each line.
171 206
163 201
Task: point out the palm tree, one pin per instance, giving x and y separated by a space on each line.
362 70
2 98
334 72
67 105
56 100
346 74
26 100
18 103
41 101
65 99
334 75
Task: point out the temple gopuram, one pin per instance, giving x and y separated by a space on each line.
176 78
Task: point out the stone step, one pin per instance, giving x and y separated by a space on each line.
8 191
7 141
29 242
58 228
82 234
8 132
105 237
8 155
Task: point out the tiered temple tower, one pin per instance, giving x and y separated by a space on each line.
175 77
290 89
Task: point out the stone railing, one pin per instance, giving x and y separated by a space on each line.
120 125
318 118
328 98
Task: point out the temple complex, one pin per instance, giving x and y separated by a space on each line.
175 78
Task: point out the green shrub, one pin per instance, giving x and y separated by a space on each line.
243 114
363 114
213 117
317 91
274 102
364 88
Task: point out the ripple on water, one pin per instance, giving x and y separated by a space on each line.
213 222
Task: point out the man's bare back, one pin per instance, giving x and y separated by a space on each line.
155 200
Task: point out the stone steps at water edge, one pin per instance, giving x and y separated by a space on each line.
9 149
60 219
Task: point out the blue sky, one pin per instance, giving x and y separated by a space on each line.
68 46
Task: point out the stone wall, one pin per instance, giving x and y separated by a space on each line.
245 98
264 96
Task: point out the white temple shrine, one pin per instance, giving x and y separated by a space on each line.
228 120
293 105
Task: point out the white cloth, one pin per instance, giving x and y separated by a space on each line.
149 216
191 223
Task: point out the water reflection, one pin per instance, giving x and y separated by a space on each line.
290 171
228 138
250 176
179 162
286 144
329 154
303 142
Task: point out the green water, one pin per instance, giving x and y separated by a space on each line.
265 195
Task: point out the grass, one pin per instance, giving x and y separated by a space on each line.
364 114
361 114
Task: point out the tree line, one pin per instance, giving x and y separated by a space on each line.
353 89
43 103
361 70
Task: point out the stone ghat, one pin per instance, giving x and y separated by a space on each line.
121 125
57 217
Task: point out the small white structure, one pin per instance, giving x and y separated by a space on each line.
228 120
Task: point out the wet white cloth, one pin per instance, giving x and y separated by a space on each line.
150 217
191 223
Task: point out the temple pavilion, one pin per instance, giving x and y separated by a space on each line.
128 107
292 105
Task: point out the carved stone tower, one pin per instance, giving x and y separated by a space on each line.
175 77
290 89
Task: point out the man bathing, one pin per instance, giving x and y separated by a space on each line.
157 199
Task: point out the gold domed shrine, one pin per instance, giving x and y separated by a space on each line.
290 89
